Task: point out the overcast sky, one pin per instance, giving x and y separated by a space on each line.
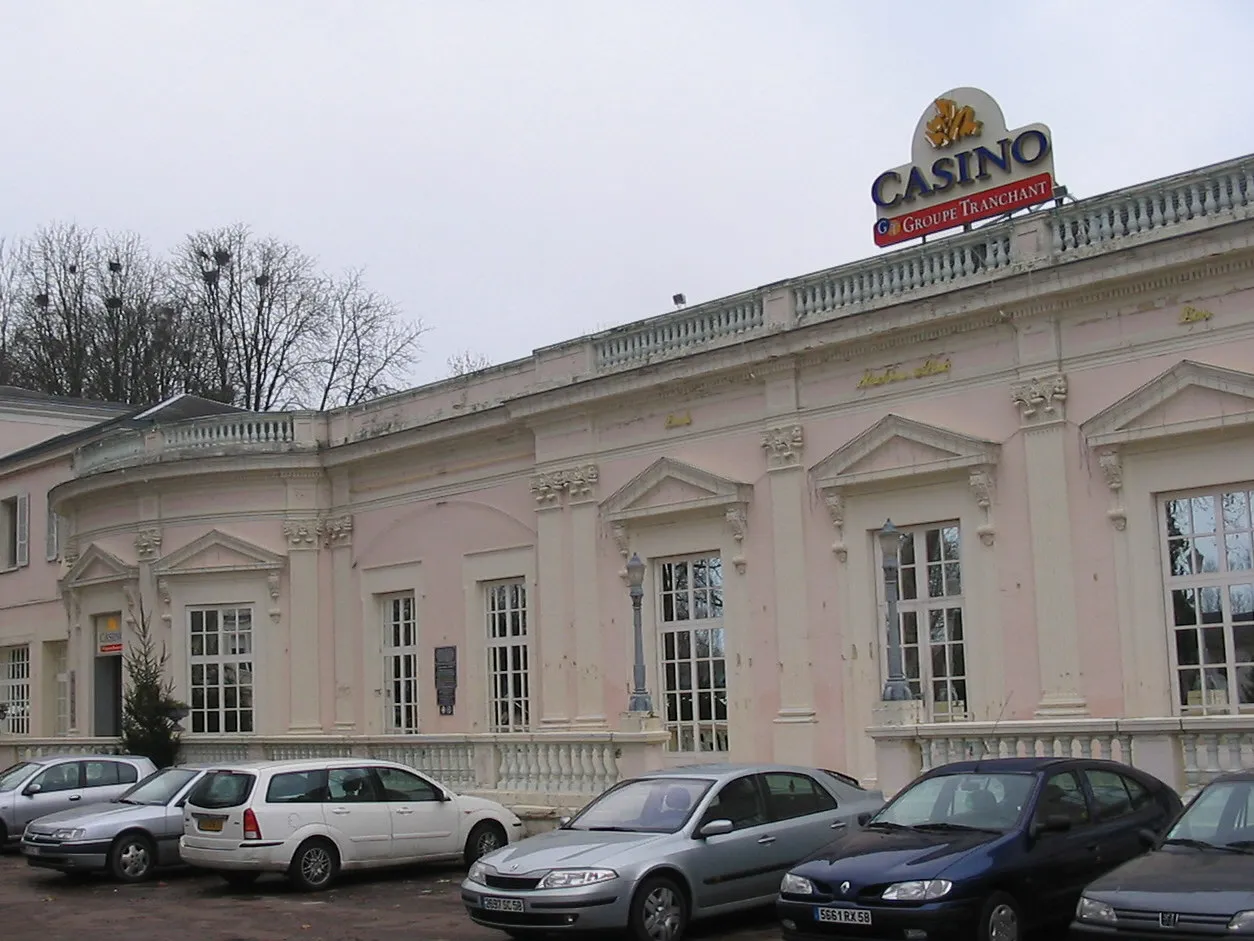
521 172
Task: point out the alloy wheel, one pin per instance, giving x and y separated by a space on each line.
663 915
134 859
315 865
1003 924
489 840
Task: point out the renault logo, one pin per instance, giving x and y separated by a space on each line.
844 888
1167 919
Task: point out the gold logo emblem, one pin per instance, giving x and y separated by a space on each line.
951 123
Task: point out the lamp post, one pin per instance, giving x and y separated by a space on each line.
640 702
897 687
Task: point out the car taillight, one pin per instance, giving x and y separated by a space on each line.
251 829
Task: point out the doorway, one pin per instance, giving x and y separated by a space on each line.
108 698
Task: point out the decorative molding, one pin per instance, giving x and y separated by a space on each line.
128 593
835 501
946 451
97 566
737 517
69 552
1112 469
783 446
337 531
548 487
622 542
148 544
981 482
247 557
1041 400
1115 424
303 534
272 583
699 489
163 593
302 473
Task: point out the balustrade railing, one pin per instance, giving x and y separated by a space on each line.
681 331
249 431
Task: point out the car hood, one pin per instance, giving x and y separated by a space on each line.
867 857
1195 882
93 814
566 849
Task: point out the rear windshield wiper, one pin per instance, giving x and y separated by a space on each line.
1242 846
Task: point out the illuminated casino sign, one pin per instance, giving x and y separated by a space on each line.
966 166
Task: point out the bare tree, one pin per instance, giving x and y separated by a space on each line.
9 295
466 362
367 346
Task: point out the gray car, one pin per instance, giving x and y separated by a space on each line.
654 852
128 837
41 786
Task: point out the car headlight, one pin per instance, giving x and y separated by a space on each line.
68 834
1091 910
924 890
573 878
479 871
796 885
1242 921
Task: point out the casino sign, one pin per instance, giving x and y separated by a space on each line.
966 166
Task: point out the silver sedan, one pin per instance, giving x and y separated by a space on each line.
654 852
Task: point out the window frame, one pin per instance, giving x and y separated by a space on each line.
403 717
15 690
508 645
437 794
222 659
822 793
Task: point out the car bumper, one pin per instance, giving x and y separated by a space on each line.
939 921
238 857
67 856
1090 931
591 908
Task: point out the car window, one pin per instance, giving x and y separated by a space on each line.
351 785
219 790
127 773
739 801
102 774
1062 797
1137 792
401 785
62 777
795 795
1111 799
298 787
14 775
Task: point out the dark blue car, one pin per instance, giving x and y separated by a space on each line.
988 849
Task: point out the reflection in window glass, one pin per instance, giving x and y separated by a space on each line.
694 655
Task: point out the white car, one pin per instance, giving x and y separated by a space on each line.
312 818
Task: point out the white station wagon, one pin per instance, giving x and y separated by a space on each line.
310 819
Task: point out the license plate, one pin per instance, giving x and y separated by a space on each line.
494 904
843 916
32 850
210 825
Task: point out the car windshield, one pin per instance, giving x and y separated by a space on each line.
159 788
14 775
644 805
968 801
1221 816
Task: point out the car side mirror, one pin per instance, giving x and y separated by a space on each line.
863 819
1052 823
1147 836
716 828
32 789
563 822
443 796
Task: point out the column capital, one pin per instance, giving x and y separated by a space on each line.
1041 400
783 446
548 486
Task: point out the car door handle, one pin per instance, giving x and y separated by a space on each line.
766 839
1093 847
840 825
76 797
404 810
339 810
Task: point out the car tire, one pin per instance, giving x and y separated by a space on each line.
659 911
132 857
314 866
239 880
484 838
1000 919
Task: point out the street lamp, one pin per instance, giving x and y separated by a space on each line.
640 700
896 688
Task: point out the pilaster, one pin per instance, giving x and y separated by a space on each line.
590 675
1042 407
347 624
302 634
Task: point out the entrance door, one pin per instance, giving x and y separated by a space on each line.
108 696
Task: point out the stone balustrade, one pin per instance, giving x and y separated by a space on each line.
1185 752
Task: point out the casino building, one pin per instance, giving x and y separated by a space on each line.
1054 407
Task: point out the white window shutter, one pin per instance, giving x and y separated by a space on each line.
53 543
23 529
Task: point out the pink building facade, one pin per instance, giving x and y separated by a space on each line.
1055 409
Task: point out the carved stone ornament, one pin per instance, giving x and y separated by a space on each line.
148 544
302 534
163 593
981 482
783 446
737 518
835 502
1042 399
1112 470
272 582
329 531
129 593
579 481
70 553
337 530
622 544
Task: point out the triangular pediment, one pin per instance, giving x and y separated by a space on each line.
217 551
669 486
896 447
97 566
1189 397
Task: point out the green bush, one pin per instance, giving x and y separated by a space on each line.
150 712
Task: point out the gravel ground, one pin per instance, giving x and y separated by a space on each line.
414 904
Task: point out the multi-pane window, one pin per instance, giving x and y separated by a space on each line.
400 663
1210 596
15 689
693 649
930 606
220 657
509 679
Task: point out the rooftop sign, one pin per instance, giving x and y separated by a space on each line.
966 166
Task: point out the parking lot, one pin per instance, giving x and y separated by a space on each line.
421 902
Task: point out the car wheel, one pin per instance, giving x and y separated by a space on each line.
314 865
1000 919
484 838
659 911
239 880
132 857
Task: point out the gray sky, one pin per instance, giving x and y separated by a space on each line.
520 172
